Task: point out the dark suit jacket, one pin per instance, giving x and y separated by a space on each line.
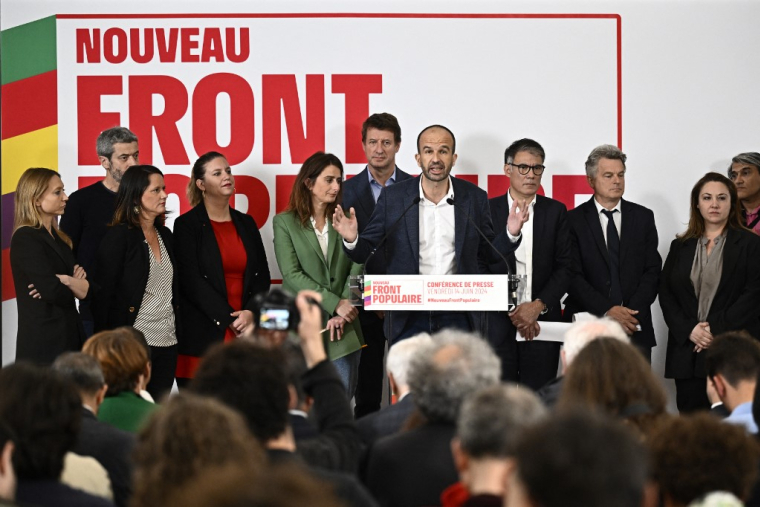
50 325
736 304
121 271
203 307
112 448
357 193
387 421
56 494
473 254
551 258
412 468
640 265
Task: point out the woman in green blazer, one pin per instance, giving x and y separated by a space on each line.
310 256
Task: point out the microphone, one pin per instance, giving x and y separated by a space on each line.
512 302
392 228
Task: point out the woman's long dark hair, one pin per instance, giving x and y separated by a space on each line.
133 184
300 197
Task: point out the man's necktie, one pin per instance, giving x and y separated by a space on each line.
613 248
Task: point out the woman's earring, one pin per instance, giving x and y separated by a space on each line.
136 209
203 192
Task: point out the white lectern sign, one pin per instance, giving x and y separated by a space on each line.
436 292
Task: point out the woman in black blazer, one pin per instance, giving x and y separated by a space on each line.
221 261
42 260
136 272
710 284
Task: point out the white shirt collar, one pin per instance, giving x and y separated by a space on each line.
599 207
450 195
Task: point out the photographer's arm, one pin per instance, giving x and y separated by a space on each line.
338 444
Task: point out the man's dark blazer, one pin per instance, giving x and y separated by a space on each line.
386 421
122 266
736 304
203 307
50 325
412 468
551 264
473 254
640 265
357 193
112 448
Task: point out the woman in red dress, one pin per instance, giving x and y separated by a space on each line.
221 262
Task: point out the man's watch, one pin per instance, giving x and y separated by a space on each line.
545 309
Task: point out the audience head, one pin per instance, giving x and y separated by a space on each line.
43 411
122 358
718 185
582 332
196 186
491 421
448 370
578 460
295 367
696 454
320 179
85 373
130 198
613 377
399 357
117 151
733 359
7 473
232 486
250 379
183 439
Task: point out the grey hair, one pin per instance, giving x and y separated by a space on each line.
581 333
448 370
401 354
114 135
749 158
82 369
604 151
491 422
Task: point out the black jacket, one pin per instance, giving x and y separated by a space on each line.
50 325
640 265
204 312
122 266
736 304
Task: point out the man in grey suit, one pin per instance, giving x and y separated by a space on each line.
428 223
381 139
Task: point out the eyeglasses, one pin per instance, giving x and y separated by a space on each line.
524 169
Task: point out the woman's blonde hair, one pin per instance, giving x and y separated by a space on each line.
31 187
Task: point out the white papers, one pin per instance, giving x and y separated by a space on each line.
550 332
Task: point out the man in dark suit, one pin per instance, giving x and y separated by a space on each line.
426 219
381 138
391 419
543 258
615 261
413 468
110 446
